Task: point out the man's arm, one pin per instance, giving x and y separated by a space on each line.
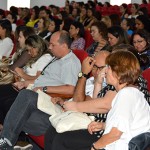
63 89
79 94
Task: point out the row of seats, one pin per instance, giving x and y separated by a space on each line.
115 9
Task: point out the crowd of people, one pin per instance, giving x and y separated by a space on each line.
40 43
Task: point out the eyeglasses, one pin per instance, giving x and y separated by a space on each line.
98 68
138 41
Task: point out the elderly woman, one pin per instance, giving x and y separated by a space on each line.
99 34
123 120
141 40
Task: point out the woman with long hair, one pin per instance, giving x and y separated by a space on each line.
6 43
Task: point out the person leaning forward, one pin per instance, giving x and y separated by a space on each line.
60 76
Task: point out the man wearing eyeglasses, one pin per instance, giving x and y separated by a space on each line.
84 88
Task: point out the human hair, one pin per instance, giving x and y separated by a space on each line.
13 15
125 65
145 21
64 38
136 6
57 22
67 23
119 33
144 34
107 4
26 31
127 47
37 10
45 23
80 26
143 11
5 24
115 19
36 41
130 23
144 2
102 28
2 13
14 10
125 6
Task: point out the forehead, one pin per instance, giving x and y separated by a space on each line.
137 36
93 28
100 60
54 38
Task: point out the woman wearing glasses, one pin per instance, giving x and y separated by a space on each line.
141 42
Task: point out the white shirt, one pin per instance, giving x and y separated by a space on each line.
130 113
6 47
89 87
38 65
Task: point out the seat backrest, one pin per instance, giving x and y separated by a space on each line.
39 140
140 142
146 75
81 54
88 39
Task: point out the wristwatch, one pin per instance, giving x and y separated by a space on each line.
44 89
81 74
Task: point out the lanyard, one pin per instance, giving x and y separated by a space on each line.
54 59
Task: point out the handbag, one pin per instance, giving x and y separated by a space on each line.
6 76
45 104
70 121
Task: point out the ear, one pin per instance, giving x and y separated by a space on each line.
77 30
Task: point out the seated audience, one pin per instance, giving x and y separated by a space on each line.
42 27
81 139
40 57
124 11
37 49
21 56
83 14
34 18
89 19
76 32
107 21
12 18
142 22
116 36
127 25
53 79
134 11
140 41
6 43
99 34
53 27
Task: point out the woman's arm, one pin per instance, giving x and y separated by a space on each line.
98 105
25 76
106 139
21 61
